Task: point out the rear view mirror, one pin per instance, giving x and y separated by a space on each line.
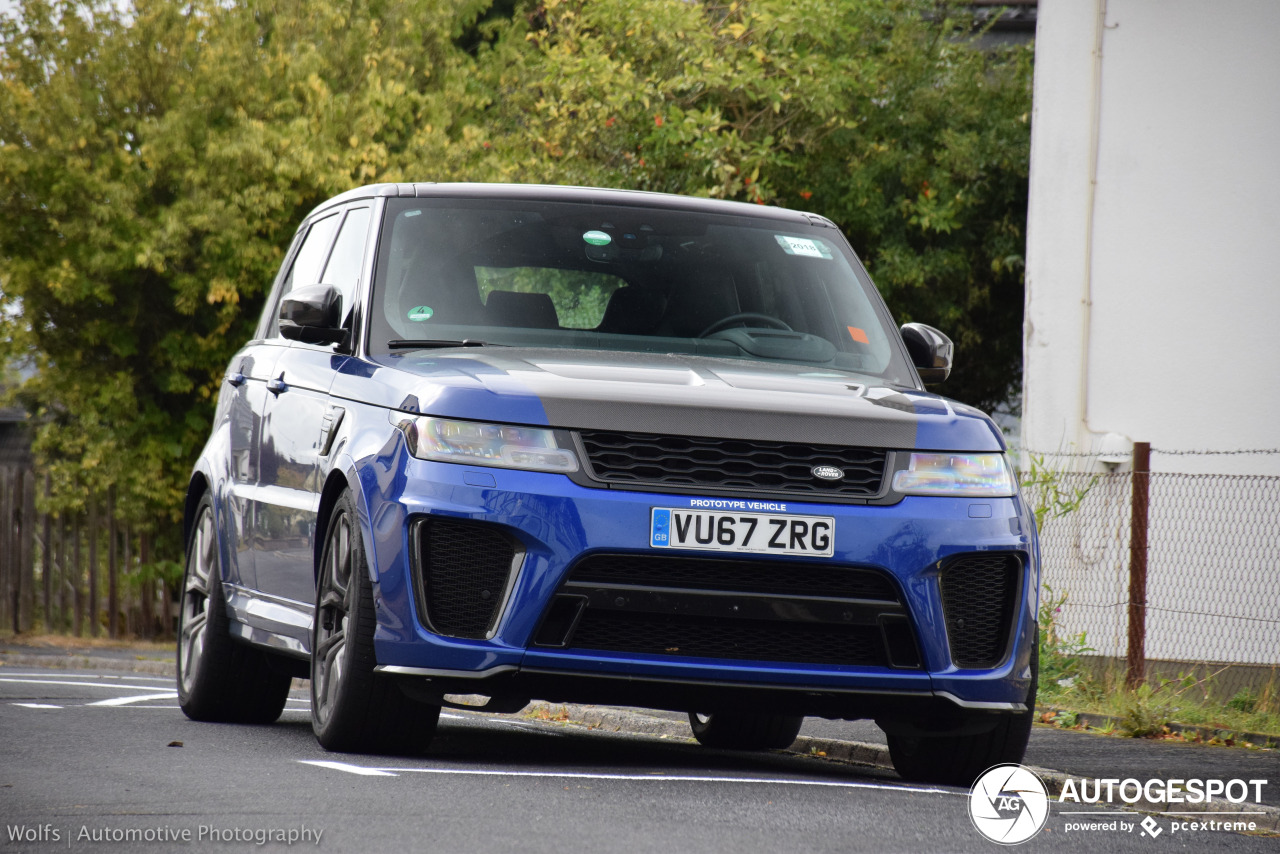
931 352
313 315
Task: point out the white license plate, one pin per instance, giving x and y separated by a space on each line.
756 533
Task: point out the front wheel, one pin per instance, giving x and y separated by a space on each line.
957 760
353 708
219 678
745 731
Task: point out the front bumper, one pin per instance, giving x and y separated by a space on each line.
555 523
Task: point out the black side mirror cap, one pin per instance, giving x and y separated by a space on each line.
931 352
313 315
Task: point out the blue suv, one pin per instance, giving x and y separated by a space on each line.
603 446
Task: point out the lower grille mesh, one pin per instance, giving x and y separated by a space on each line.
978 593
735 639
786 578
463 569
730 608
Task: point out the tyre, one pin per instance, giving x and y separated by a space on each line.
353 708
219 678
745 732
958 760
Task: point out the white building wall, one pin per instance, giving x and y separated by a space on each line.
1153 311
1153 295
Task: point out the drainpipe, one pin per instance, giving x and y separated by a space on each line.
1086 298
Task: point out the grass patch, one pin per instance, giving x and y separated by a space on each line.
1148 710
49 641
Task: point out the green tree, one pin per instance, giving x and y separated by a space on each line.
154 163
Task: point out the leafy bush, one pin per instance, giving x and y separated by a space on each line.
1059 653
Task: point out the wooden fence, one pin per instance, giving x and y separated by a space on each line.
83 574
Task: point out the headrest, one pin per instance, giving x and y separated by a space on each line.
531 311
633 311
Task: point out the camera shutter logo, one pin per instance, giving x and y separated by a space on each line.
1008 804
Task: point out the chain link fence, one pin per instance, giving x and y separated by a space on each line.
1212 576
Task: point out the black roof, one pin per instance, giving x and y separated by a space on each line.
556 193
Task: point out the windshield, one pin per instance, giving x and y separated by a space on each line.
600 277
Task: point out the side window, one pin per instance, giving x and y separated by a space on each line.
312 255
343 270
305 270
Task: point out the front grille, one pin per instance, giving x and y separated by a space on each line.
978 597
765 610
736 464
734 639
748 576
462 569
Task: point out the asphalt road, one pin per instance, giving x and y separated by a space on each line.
96 760
1086 754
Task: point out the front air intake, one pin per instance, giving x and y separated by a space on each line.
462 573
979 592
743 608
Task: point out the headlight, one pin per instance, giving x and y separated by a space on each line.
478 444
965 475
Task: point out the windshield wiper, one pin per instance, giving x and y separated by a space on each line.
436 343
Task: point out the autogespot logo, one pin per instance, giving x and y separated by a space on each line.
1008 804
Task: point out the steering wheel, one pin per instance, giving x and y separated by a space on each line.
724 322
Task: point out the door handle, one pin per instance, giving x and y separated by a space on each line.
236 379
277 385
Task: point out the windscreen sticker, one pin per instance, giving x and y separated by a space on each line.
802 246
858 335
421 312
597 238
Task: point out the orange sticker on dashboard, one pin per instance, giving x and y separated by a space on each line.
858 335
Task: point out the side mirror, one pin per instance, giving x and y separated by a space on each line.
312 315
931 351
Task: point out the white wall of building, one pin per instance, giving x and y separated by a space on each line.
1153 257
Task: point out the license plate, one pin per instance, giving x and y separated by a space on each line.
755 533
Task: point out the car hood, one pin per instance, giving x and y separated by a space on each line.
668 394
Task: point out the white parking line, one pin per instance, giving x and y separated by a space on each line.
647 778
124 701
35 705
350 769
77 684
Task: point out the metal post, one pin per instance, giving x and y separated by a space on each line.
113 568
1135 670
64 573
26 592
148 588
94 605
8 558
77 575
46 558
